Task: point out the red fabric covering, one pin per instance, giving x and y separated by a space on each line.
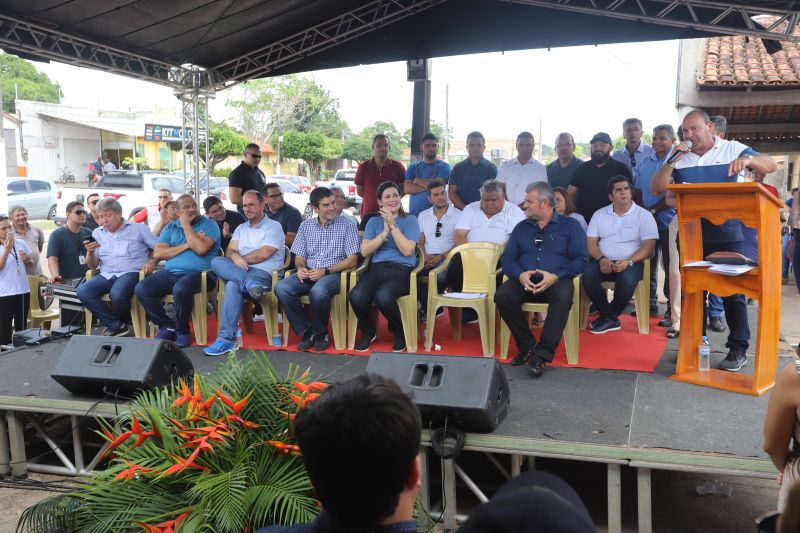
618 350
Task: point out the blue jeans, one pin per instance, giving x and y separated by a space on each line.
320 294
236 280
785 262
624 286
119 289
715 306
182 286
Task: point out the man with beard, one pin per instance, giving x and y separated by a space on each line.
590 181
635 151
560 171
422 173
188 245
226 220
522 170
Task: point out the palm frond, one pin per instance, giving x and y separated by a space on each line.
55 514
223 498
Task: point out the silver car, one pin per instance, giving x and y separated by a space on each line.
36 195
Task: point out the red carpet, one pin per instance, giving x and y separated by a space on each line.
618 350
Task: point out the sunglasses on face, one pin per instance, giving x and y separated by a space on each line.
438 229
79 212
254 156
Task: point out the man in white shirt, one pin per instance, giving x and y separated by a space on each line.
437 226
621 237
519 172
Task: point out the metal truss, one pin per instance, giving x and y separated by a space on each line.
194 141
704 15
342 28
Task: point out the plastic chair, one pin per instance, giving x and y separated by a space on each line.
641 298
570 330
36 315
480 277
407 304
137 312
338 313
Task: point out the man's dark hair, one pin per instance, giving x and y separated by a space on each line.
720 123
434 185
631 121
381 136
91 195
525 135
430 137
72 205
476 135
210 202
617 179
252 146
271 185
359 441
318 194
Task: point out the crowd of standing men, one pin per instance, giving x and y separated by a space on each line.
600 219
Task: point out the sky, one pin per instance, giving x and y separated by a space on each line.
582 90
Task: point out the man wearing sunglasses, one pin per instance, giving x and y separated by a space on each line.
635 151
66 253
247 176
437 226
91 216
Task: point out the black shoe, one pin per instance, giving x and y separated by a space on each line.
367 338
734 361
604 325
522 357
653 309
536 366
307 342
321 342
716 324
399 343
665 322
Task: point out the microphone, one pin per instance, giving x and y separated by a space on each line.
677 154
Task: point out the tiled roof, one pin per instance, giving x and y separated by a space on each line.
732 61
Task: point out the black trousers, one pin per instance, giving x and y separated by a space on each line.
662 251
509 298
13 313
381 285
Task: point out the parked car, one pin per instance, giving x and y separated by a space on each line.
293 196
301 182
38 196
345 178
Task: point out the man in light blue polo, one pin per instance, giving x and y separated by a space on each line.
255 251
635 150
469 175
120 248
423 173
187 245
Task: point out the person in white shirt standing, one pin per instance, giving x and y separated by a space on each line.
437 226
621 237
519 172
15 293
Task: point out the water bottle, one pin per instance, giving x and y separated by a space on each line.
239 339
704 355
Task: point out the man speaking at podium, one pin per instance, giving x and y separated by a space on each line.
705 158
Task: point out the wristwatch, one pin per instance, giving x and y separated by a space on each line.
327 271
630 263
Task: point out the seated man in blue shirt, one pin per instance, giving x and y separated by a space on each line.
255 251
120 248
543 254
188 245
325 246
621 237
367 478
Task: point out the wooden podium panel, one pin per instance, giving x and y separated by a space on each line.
754 205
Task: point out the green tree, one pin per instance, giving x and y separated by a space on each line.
223 141
271 106
436 128
619 142
357 148
20 76
313 148
396 141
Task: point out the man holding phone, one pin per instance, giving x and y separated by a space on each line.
66 253
543 254
120 249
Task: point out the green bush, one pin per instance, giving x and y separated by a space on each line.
222 172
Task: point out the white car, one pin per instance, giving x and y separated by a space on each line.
293 196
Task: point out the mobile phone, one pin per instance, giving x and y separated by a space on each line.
537 277
87 240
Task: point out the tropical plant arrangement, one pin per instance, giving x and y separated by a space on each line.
215 454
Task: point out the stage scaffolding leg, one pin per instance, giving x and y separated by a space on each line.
449 487
424 486
5 452
471 485
16 440
644 499
614 499
53 445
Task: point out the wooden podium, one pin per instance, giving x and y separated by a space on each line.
754 205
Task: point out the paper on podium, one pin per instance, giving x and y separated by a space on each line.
465 295
698 264
730 270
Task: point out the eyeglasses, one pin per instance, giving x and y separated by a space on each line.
254 156
275 195
79 212
438 229
633 160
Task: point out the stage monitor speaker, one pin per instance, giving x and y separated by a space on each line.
472 392
94 365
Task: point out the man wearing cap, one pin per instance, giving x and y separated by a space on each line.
635 151
522 170
588 187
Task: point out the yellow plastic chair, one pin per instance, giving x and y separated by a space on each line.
571 342
137 312
641 298
407 304
479 260
36 315
338 313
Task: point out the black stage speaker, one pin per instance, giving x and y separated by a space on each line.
94 365
472 392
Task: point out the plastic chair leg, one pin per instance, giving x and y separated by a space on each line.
505 339
430 326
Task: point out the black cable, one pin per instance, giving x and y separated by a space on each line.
438 438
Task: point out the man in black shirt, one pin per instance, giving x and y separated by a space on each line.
66 253
588 188
247 176
91 216
288 216
227 220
